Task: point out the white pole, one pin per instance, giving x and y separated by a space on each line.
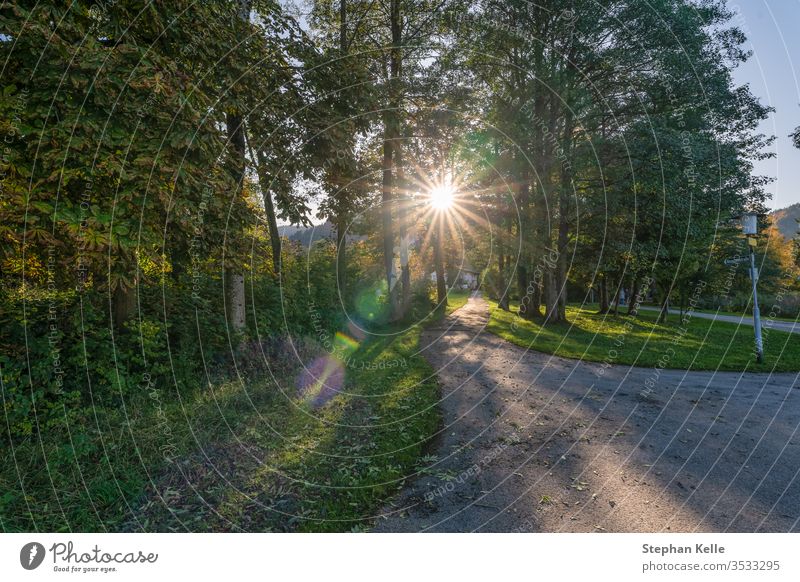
756 311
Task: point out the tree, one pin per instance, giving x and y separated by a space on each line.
99 172
398 35
343 94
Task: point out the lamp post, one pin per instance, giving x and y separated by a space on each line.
750 229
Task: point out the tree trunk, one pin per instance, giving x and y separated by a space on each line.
386 211
234 280
552 311
633 301
617 297
123 305
662 316
530 304
269 208
179 258
341 258
503 291
522 282
523 204
402 226
390 137
563 214
341 219
530 295
561 288
343 27
272 223
234 295
603 296
441 283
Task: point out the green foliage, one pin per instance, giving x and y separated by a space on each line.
615 136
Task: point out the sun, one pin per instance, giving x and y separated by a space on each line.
441 197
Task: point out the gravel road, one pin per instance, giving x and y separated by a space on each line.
532 442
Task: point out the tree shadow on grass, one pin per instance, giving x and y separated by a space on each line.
299 466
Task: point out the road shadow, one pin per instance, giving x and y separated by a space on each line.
532 442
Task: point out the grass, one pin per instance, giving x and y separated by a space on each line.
650 306
456 299
700 344
247 456
764 314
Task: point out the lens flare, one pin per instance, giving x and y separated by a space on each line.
441 197
320 381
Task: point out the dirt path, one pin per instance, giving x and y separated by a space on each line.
532 442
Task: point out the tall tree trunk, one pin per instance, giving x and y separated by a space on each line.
523 233
234 280
563 213
522 288
269 208
535 307
179 257
386 210
617 297
390 138
503 291
341 218
341 258
682 297
123 304
530 293
603 295
401 199
530 302
633 301
272 223
438 258
552 312
662 316
343 27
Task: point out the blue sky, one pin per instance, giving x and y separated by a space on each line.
773 73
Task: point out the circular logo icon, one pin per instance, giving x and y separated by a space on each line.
31 555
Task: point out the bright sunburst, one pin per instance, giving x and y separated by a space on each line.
441 197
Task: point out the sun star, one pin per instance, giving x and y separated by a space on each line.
441 197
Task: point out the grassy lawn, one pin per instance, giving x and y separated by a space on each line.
701 344
253 455
624 309
764 314
456 299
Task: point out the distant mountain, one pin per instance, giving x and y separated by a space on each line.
785 220
312 234
306 236
288 229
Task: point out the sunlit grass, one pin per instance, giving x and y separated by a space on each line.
456 299
748 314
248 457
704 345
